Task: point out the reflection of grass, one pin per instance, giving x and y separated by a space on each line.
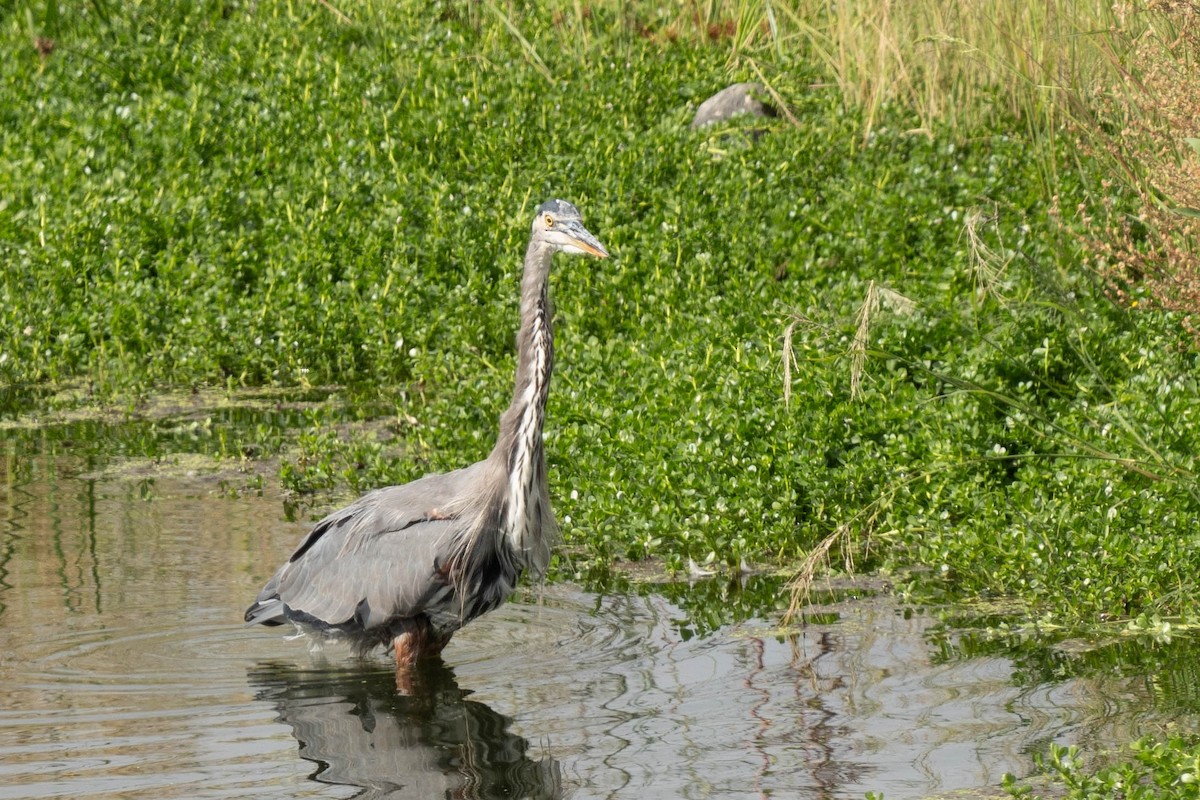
1043 654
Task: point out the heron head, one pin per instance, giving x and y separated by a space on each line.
559 224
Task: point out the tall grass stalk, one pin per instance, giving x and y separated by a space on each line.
530 51
988 267
953 62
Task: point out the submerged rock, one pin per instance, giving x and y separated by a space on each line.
740 98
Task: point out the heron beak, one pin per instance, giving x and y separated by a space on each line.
582 241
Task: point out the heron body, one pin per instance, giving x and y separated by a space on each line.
407 566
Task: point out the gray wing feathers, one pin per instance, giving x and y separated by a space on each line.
381 557
391 579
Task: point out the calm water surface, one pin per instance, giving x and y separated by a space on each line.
126 672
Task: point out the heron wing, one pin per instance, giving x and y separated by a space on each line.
381 558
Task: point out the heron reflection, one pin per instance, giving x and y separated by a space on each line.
424 742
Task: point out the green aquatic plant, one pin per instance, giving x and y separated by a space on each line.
1158 770
1053 478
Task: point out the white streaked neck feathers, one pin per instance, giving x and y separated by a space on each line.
520 441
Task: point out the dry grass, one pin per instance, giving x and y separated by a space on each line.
853 536
950 62
862 332
801 585
988 266
947 60
1147 126
789 360
877 297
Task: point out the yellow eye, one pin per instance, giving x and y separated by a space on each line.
549 221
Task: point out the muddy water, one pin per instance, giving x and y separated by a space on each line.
125 672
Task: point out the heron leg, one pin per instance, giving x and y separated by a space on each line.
415 642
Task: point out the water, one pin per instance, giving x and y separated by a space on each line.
126 671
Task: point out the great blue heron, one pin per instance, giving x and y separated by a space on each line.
407 566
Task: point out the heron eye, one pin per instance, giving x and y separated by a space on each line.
549 221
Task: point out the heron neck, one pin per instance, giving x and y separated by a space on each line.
535 338
520 441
